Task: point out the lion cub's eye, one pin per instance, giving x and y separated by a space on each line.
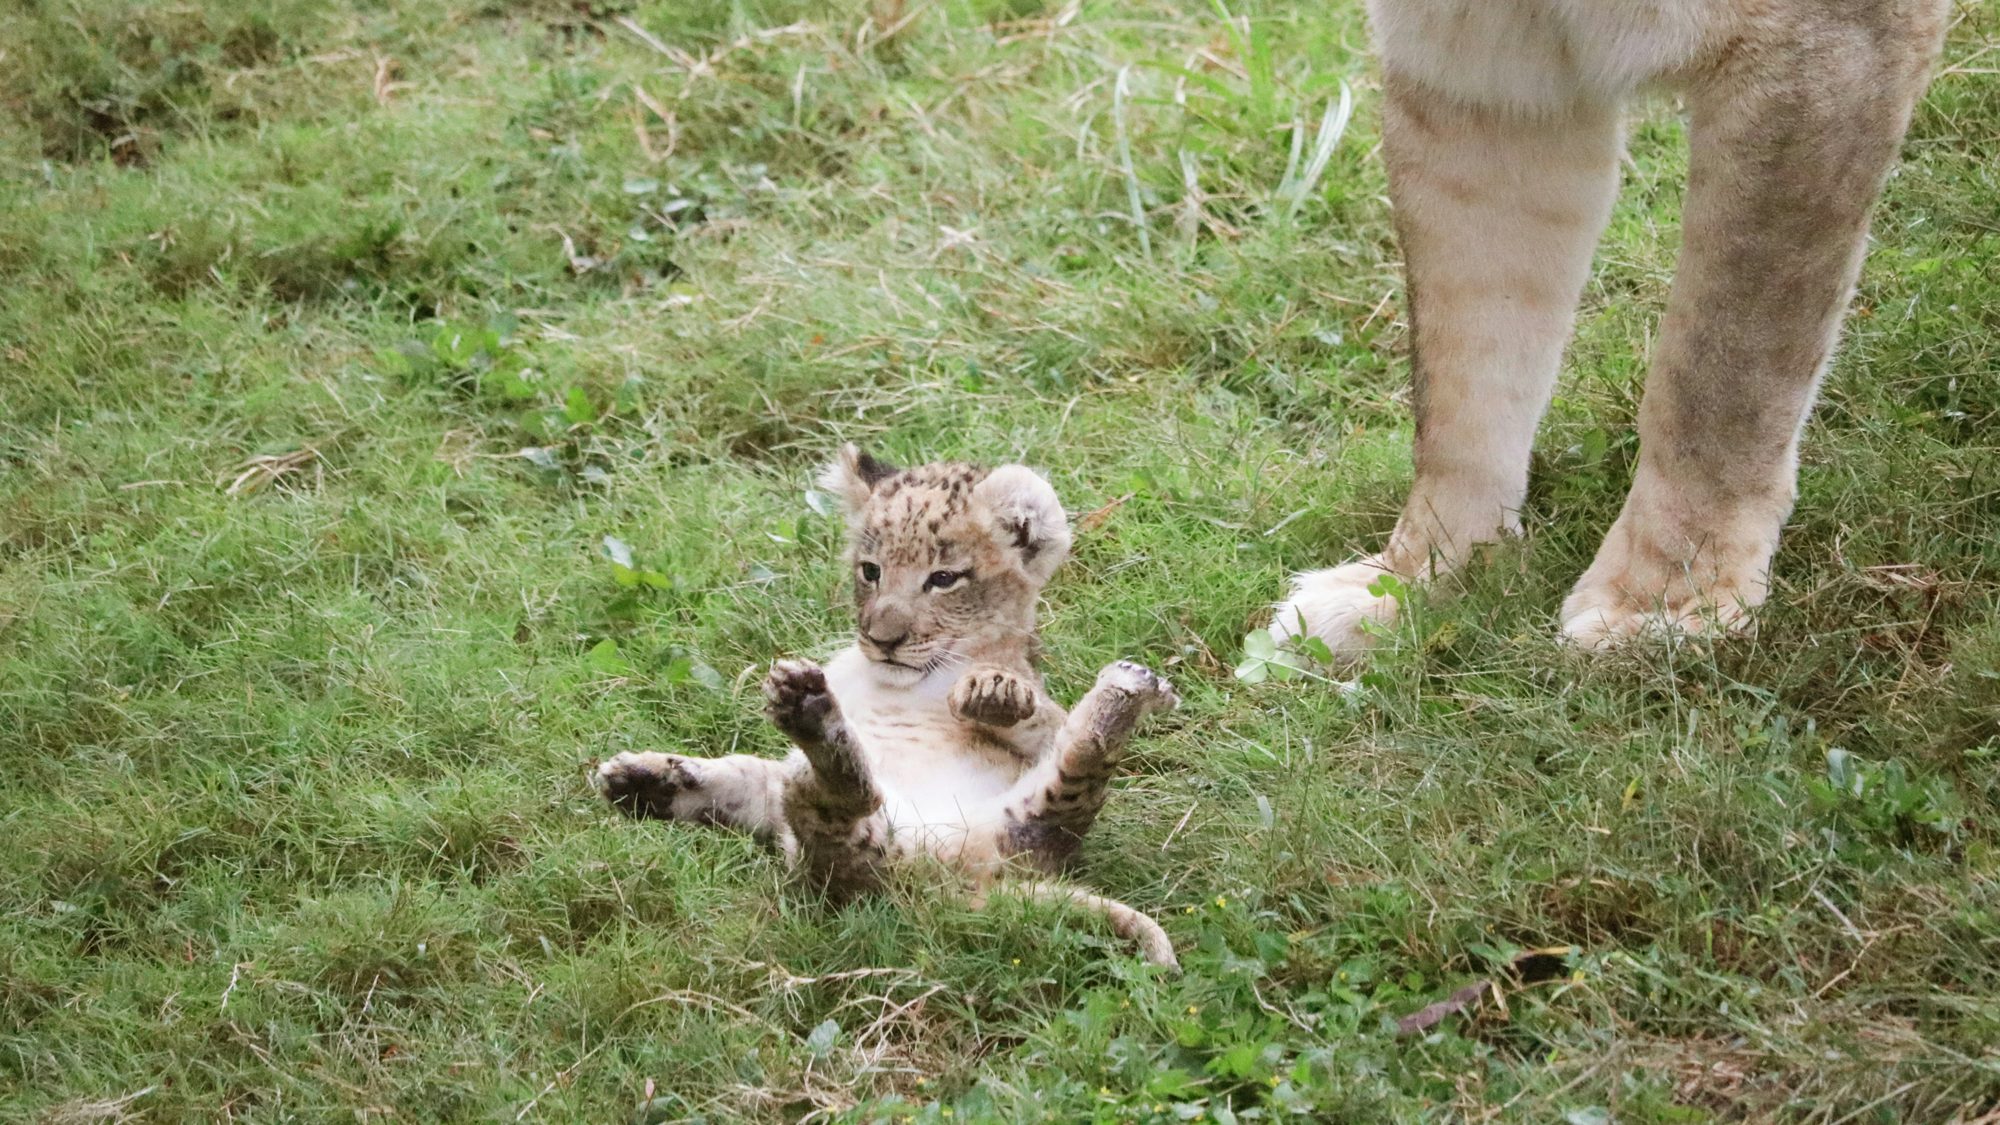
870 573
944 579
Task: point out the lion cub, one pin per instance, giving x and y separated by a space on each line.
932 734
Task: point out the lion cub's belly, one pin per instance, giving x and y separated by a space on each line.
938 777
932 774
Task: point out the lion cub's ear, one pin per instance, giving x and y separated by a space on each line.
852 476
1027 517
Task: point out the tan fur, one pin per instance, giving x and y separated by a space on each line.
932 736
1500 135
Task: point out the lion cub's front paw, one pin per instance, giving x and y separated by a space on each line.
797 699
992 697
646 784
1146 688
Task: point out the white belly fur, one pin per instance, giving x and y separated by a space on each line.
938 779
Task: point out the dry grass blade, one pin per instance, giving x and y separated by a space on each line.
1188 221
1094 519
1530 966
266 469
93 1113
1133 200
384 85
654 153
1431 1015
1332 126
680 58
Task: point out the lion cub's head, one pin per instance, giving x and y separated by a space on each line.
947 558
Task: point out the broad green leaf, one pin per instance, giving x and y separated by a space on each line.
822 1039
1253 671
1388 586
604 657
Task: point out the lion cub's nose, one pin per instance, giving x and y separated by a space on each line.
887 646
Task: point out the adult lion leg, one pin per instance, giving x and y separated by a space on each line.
1790 145
1497 212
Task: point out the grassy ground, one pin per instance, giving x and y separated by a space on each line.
337 337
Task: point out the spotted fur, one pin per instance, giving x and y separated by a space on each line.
932 736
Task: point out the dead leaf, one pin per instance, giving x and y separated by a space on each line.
1528 967
385 87
1431 1015
1093 520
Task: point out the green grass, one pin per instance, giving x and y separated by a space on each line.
302 660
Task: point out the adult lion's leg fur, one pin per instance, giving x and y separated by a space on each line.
1497 212
1791 142
1499 138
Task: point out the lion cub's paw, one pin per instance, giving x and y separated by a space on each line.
1147 688
797 699
992 697
645 784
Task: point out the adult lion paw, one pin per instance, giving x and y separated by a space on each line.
1648 581
992 697
1333 605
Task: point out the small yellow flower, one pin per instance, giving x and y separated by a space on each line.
1192 1010
1220 901
1017 960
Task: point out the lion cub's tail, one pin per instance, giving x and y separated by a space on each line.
1127 922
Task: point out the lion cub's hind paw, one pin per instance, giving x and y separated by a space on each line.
1147 688
645 784
797 700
